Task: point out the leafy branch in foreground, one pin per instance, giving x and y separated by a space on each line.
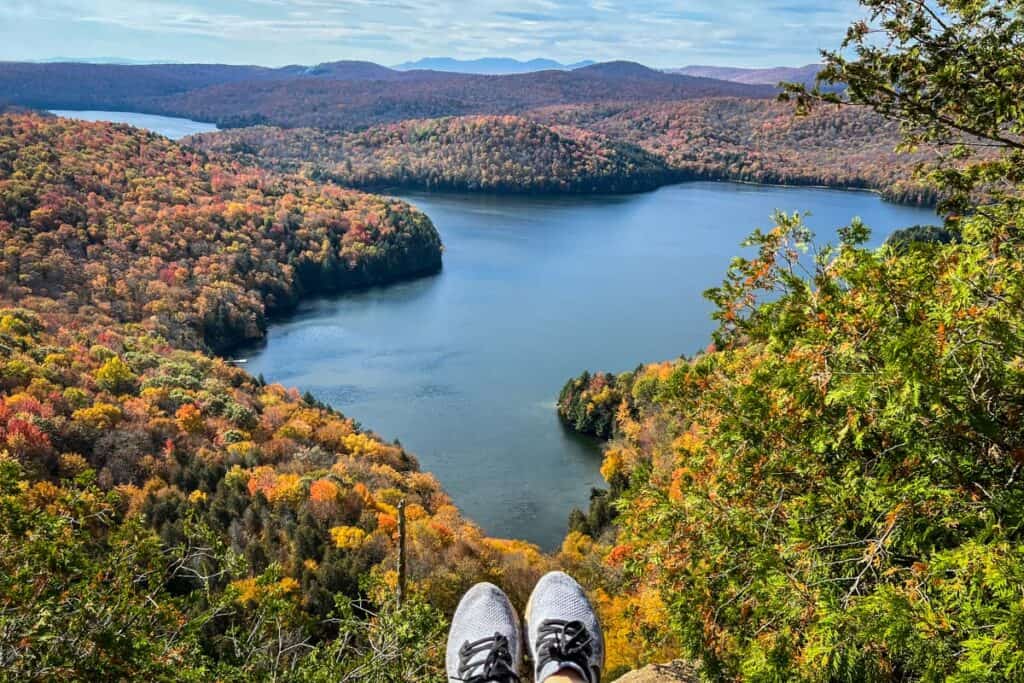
952 73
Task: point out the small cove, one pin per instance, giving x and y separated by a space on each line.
168 126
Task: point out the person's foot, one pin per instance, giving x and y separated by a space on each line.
485 641
562 630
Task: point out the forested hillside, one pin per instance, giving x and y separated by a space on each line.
365 125
839 474
489 153
601 148
762 141
346 105
164 514
73 85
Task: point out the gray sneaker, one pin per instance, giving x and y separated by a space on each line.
485 643
562 630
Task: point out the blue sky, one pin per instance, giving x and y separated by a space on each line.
276 32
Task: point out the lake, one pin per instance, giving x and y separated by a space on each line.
168 126
465 367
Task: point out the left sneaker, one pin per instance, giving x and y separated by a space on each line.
485 641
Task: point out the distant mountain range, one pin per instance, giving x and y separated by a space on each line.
340 95
766 76
493 66
488 66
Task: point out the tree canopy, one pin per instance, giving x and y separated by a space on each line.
163 514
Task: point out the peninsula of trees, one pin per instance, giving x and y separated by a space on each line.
129 225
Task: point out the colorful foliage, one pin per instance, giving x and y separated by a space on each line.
160 476
133 228
761 141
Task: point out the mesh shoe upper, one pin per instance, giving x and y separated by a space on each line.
562 629
485 641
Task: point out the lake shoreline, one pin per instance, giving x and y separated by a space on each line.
465 367
643 184
285 313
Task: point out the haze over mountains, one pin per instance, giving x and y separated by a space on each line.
496 66
102 60
490 65
504 66
765 76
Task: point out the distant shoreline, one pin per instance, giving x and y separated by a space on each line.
391 189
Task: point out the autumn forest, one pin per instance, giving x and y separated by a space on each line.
829 491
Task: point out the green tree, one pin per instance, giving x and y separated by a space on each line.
116 377
395 645
83 594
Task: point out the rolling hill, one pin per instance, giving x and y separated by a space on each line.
80 85
607 147
489 153
759 141
350 104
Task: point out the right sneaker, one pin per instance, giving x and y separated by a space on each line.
485 643
562 630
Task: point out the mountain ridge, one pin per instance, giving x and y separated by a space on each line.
339 95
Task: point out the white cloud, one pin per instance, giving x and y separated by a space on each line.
658 32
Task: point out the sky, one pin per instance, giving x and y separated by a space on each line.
659 33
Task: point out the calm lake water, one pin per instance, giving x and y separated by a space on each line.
465 367
168 126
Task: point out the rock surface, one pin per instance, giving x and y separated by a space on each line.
674 672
